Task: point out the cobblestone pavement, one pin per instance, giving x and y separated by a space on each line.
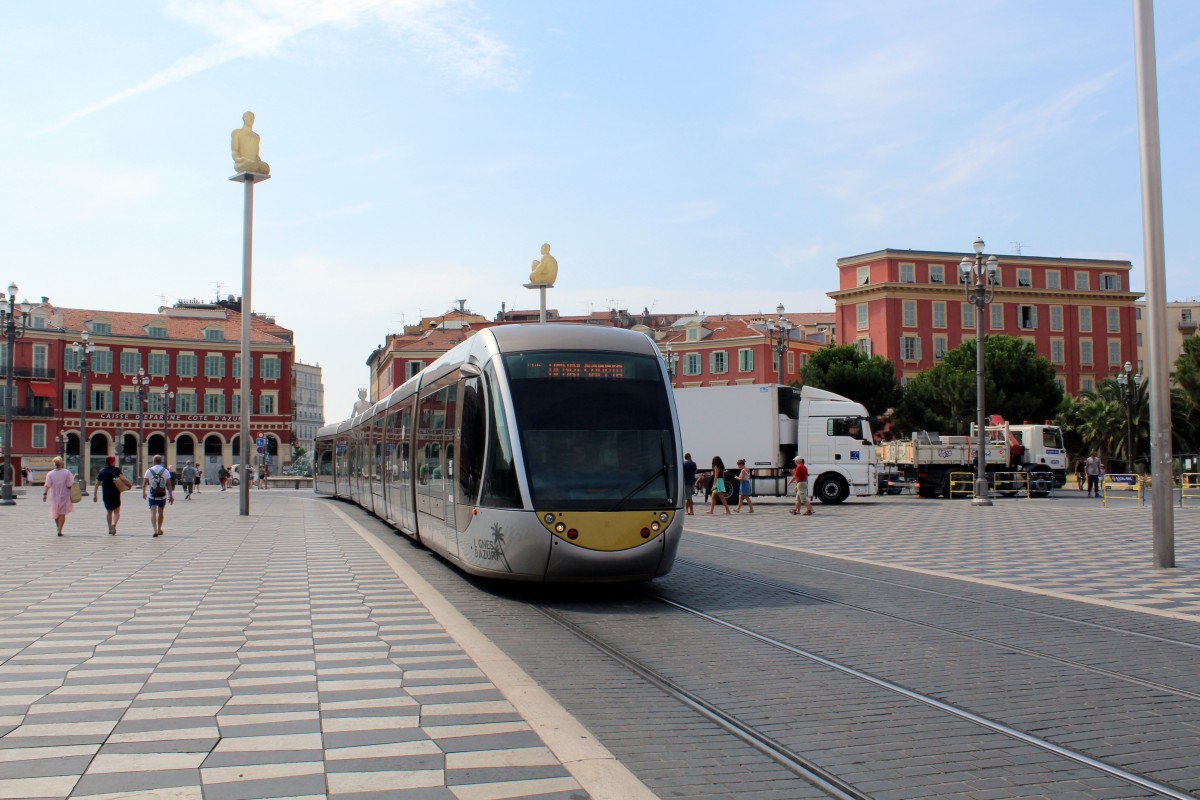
274 655
1066 546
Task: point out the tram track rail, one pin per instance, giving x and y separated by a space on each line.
1008 646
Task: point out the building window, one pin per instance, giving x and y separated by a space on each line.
1110 282
158 364
266 404
101 361
237 367
104 328
1139 340
214 365
235 403
997 322
1085 352
910 313
411 368
70 359
1085 319
214 334
1081 281
1053 279
130 361
937 273
745 360
864 276
908 273
968 315
155 402
718 362
939 314
1057 352
691 364
1185 314
185 403
1024 278
864 346
693 333
1061 384
70 399
1114 320
128 401
214 403
1114 353
156 332
41 357
1027 317
268 367
1087 385
1056 318
791 362
101 400
862 320
39 436
939 347
185 365
910 348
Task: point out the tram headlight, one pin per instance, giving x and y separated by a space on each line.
549 519
654 526
663 517
560 527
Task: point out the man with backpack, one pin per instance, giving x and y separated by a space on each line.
157 481
189 480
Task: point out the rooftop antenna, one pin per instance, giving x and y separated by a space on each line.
219 287
1017 246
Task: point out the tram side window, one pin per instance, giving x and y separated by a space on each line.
471 441
500 488
325 464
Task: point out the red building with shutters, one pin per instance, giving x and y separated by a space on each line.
910 307
191 350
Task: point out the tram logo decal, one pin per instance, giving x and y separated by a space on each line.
492 549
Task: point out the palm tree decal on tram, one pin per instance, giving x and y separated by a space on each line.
498 543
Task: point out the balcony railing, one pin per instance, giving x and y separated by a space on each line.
35 373
31 411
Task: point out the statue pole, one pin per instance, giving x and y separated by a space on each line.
251 170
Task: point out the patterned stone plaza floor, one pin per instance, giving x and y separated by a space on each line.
1066 546
274 655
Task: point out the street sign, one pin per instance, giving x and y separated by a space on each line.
260 451
261 442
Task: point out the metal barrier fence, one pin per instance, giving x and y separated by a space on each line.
1123 487
1010 483
1189 487
962 484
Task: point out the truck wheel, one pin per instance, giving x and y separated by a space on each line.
832 489
1041 482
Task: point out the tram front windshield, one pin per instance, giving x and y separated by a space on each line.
595 430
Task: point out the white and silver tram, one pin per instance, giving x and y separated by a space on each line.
544 452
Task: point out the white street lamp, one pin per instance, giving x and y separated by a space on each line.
979 276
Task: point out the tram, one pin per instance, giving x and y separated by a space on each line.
543 452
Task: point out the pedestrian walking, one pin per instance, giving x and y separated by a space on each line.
1094 470
1081 473
263 473
189 480
223 476
157 481
689 483
718 486
106 485
744 487
58 492
800 477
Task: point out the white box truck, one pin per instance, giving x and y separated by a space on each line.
769 425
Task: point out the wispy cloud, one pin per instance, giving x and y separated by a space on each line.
448 33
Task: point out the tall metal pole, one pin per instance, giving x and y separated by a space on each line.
10 334
1163 514
142 382
981 484
167 395
84 365
248 179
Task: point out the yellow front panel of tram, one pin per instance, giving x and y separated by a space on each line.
606 530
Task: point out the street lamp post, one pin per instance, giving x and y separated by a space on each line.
168 396
779 333
672 359
13 321
84 350
978 276
142 384
1129 384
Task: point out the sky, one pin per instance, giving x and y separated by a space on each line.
700 155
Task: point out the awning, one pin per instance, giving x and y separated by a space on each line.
42 390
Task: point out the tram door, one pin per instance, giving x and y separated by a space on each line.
434 460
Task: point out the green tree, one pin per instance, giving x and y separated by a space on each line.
844 370
1019 385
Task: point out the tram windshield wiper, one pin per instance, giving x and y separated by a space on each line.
663 470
